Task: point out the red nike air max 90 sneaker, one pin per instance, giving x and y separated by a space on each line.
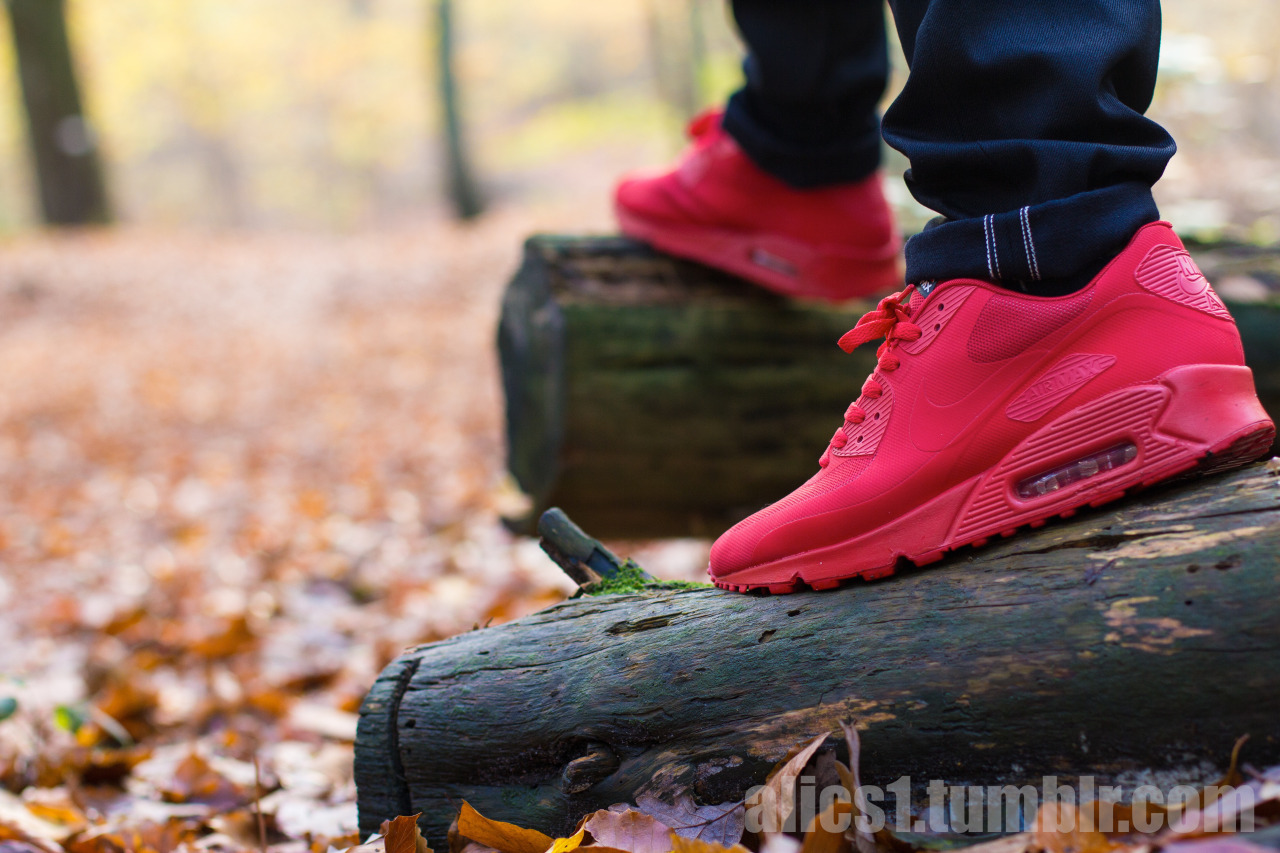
990 410
720 209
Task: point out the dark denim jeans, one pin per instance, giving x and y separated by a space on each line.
1023 122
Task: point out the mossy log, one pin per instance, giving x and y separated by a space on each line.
1147 636
648 396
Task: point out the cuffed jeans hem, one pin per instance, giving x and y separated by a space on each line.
1042 242
843 162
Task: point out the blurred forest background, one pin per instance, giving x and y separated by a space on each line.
250 432
326 113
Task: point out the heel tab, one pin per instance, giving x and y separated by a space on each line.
1157 233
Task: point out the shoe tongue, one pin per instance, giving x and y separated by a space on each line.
919 295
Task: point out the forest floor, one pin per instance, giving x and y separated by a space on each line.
238 474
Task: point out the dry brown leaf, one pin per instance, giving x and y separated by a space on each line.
882 840
196 781
499 835
565 845
19 823
721 825
403 835
821 836
10 834
631 830
1081 834
863 841
777 797
681 844
139 837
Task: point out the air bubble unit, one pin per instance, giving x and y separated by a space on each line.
1073 472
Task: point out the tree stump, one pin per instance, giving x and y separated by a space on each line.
649 396
1138 637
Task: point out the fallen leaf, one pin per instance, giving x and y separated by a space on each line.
882 839
631 830
565 845
682 844
1062 828
19 823
196 781
829 832
403 835
776 798
141 837
721 825
506 837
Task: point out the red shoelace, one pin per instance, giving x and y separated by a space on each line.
890 320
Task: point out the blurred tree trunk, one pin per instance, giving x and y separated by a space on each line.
63 146
697 53
463 192
677 45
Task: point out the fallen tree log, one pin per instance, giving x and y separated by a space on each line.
1145 636
649 396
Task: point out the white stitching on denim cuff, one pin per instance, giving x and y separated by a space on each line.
995 250
1031 241
986 244
1026 248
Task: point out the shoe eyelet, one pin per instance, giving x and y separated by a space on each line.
941 307
859 439
937 327
877 416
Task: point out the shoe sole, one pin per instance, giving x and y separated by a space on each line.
1193 420
784 266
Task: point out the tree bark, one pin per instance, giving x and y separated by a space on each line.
648 396
463 193
1146 636
63 145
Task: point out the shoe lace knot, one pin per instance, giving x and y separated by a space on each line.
890 320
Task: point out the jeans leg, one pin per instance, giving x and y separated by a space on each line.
815 73
1024 126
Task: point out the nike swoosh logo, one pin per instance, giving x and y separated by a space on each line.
1170 272
934 427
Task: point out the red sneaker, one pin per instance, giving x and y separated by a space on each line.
990 410
718 208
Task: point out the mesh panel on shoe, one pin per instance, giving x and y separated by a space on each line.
738 545
1009 325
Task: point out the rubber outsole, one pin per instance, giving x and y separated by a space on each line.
975 527
1240 451
779 264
